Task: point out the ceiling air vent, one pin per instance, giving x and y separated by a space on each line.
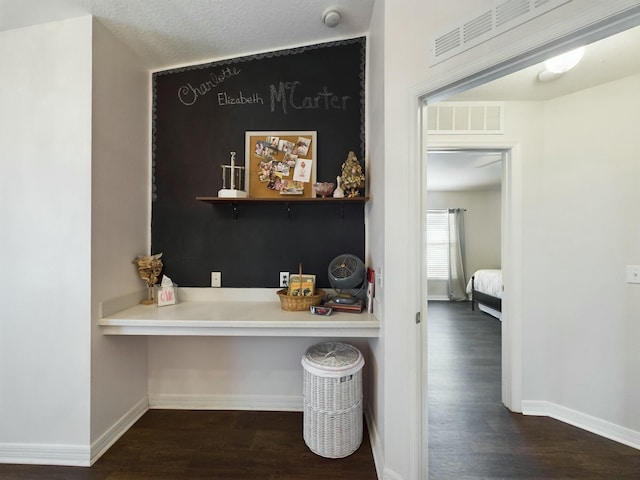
465 118
487 24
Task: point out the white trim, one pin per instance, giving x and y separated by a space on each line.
72 455
511 259
45 454
415 297
113 433
376 443
591 24
437 298
490 311
390 475
581 420
187 401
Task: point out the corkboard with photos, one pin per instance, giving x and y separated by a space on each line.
280 164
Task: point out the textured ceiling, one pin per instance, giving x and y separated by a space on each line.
167 33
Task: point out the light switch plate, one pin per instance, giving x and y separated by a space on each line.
633 273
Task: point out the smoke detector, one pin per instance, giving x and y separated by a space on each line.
332 18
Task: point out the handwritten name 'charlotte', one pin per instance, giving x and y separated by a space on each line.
188 94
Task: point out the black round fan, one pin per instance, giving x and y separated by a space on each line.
347 272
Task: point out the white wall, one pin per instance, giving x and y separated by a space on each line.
120 226
234 373
45 245
397 209
586 230
375 219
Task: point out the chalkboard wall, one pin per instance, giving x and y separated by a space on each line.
201 114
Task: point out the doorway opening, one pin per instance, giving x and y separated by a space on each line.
512 219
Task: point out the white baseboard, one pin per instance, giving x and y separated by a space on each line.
45 454
581 420
438 298
71 455
270 403
108 438
376 444
391 475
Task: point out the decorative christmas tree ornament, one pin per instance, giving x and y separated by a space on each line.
352 176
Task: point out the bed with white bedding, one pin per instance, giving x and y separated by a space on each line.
485 290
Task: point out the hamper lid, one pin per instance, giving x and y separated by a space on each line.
332 359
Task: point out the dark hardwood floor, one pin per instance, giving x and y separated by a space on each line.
181 444
473 436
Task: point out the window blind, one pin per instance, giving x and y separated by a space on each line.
438 244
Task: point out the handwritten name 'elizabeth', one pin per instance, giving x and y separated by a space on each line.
188 94
239 99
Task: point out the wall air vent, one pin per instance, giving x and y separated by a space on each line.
465 118
504 16
476 27
510 11
448 41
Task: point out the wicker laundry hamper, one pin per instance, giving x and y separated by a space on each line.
332 397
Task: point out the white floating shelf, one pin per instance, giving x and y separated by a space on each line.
232 312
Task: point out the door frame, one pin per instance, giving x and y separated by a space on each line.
589 26
510 255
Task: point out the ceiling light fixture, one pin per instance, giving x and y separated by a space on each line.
332 18
557 66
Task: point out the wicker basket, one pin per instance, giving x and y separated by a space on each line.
332 395
292 303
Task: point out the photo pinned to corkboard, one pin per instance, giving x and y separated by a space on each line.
280 163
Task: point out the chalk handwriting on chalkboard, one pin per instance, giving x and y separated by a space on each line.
188 94
286 94
239 99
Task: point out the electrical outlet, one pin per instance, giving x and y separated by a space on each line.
216 279
284 279
633 273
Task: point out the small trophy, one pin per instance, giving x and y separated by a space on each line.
235 175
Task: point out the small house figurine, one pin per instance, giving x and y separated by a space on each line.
352 176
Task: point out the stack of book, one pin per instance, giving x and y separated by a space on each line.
345 307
